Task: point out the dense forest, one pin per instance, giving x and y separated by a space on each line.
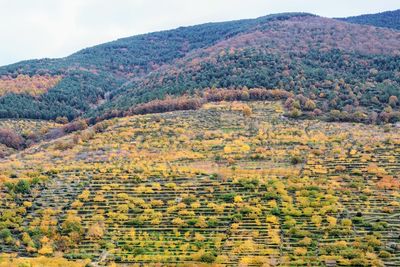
90 74
347 79
344 68
388 19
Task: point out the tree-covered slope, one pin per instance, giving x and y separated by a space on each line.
344 68
388 19
90 74
340 66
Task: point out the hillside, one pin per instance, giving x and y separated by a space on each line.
91 74
339 66
388 19
230 183
344 69
272 141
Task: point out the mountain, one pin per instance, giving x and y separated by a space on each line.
388 19
343 69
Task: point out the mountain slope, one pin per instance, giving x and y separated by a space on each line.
388 19
340 66
90 74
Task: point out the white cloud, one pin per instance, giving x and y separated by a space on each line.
57 28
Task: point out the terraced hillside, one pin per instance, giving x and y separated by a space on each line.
231 183
15 133
26 126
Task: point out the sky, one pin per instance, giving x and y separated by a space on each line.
32 29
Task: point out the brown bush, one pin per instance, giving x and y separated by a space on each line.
11 139
75 126
169 104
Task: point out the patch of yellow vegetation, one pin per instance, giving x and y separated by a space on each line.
7 260
25 84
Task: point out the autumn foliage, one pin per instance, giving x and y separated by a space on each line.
11 139
210 95
24 84
168 104
232 181
186 102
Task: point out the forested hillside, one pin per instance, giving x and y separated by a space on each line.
91 74
388 19
343 71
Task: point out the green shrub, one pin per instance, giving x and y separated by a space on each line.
296 160
135 222
384 254
5 233
192 221
23 187
275 211
228 197
212 222
207 257
249 183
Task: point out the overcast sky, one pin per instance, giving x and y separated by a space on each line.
56 28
